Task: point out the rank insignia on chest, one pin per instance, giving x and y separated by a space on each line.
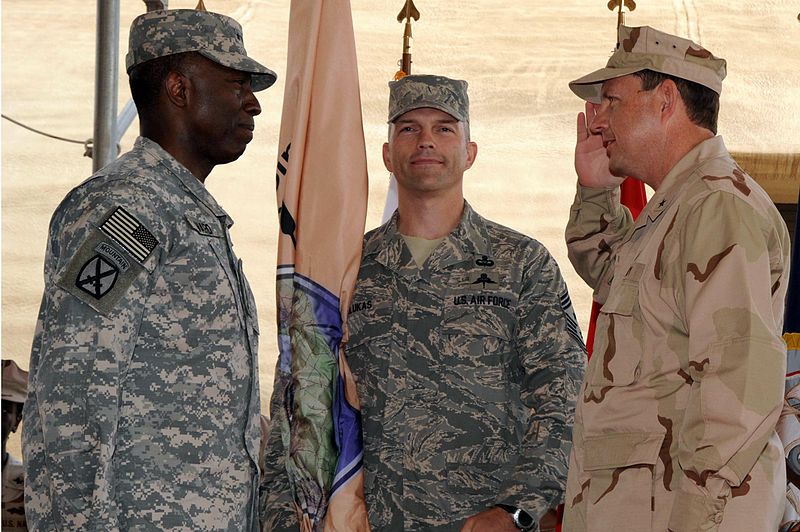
130 234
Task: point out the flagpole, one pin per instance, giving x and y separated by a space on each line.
408 12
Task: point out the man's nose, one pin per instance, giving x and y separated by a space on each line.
251 105
600 120
425 139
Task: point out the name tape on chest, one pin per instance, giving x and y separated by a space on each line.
203 227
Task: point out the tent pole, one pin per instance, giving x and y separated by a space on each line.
104 148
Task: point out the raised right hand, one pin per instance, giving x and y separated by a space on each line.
591 162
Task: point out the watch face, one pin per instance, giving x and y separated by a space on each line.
524 519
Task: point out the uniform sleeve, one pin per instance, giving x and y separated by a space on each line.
737 359
597 223
789 430
276 506
80 354
552 355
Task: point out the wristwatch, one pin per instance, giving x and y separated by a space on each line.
521 518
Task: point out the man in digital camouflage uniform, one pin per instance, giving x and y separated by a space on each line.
675 425
143 407
463 344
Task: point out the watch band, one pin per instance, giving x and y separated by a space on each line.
522 519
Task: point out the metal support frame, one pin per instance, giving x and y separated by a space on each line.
104 149
108 127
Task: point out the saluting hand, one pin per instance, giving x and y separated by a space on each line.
591 161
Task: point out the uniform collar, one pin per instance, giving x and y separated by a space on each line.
195 187
679 176
469 239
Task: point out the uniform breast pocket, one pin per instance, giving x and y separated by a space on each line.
369 348
476 349
617 355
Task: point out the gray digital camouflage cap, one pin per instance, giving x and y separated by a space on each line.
214 36
417 91
645 48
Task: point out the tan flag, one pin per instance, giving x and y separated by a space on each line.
322 201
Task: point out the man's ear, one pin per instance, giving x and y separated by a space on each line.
669 98
472 153
387 161
177 86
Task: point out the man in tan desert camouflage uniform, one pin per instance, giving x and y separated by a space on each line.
15 385
675 425
143 406
463 344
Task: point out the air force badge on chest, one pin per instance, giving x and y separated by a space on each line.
104 268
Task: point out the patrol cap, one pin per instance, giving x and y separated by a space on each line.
424 90
214 36
645 48
15 382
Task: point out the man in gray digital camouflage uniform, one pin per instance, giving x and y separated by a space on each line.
143 405
463 344
675 425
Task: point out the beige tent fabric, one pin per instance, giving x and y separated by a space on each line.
517 56
777 173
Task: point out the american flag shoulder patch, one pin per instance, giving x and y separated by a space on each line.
123 227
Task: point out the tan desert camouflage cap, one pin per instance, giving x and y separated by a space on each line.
214 36
424 90
645 48
15 382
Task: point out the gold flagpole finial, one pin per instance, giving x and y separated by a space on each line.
201 6
408 12
618 5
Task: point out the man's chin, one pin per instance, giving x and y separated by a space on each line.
232 156
616 170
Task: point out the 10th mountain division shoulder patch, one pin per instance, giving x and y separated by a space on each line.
97 277
109 261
